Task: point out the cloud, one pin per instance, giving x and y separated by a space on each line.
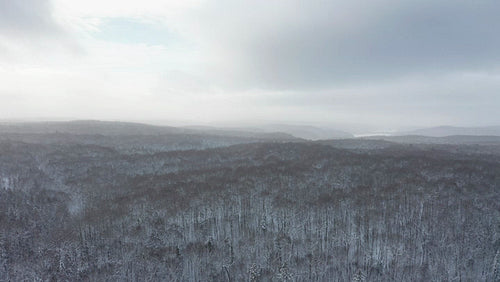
457 98
315 44
28 29
31 17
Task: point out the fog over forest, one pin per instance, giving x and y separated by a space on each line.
217 140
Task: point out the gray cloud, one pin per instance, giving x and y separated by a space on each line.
29 32
314 44
452 99
27 18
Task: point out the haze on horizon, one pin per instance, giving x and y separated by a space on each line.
381 64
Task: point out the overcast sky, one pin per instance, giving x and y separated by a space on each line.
386 64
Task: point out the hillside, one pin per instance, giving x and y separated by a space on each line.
131 137
442 131
300 211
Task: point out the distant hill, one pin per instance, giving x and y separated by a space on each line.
442 131
298 131
86 127
111 128
308 132
453 139
241 132
131 137
358 144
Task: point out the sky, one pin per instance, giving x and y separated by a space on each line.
376 65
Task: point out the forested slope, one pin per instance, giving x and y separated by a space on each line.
248 212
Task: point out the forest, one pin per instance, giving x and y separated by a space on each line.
148 205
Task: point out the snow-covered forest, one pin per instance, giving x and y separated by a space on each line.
245 208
